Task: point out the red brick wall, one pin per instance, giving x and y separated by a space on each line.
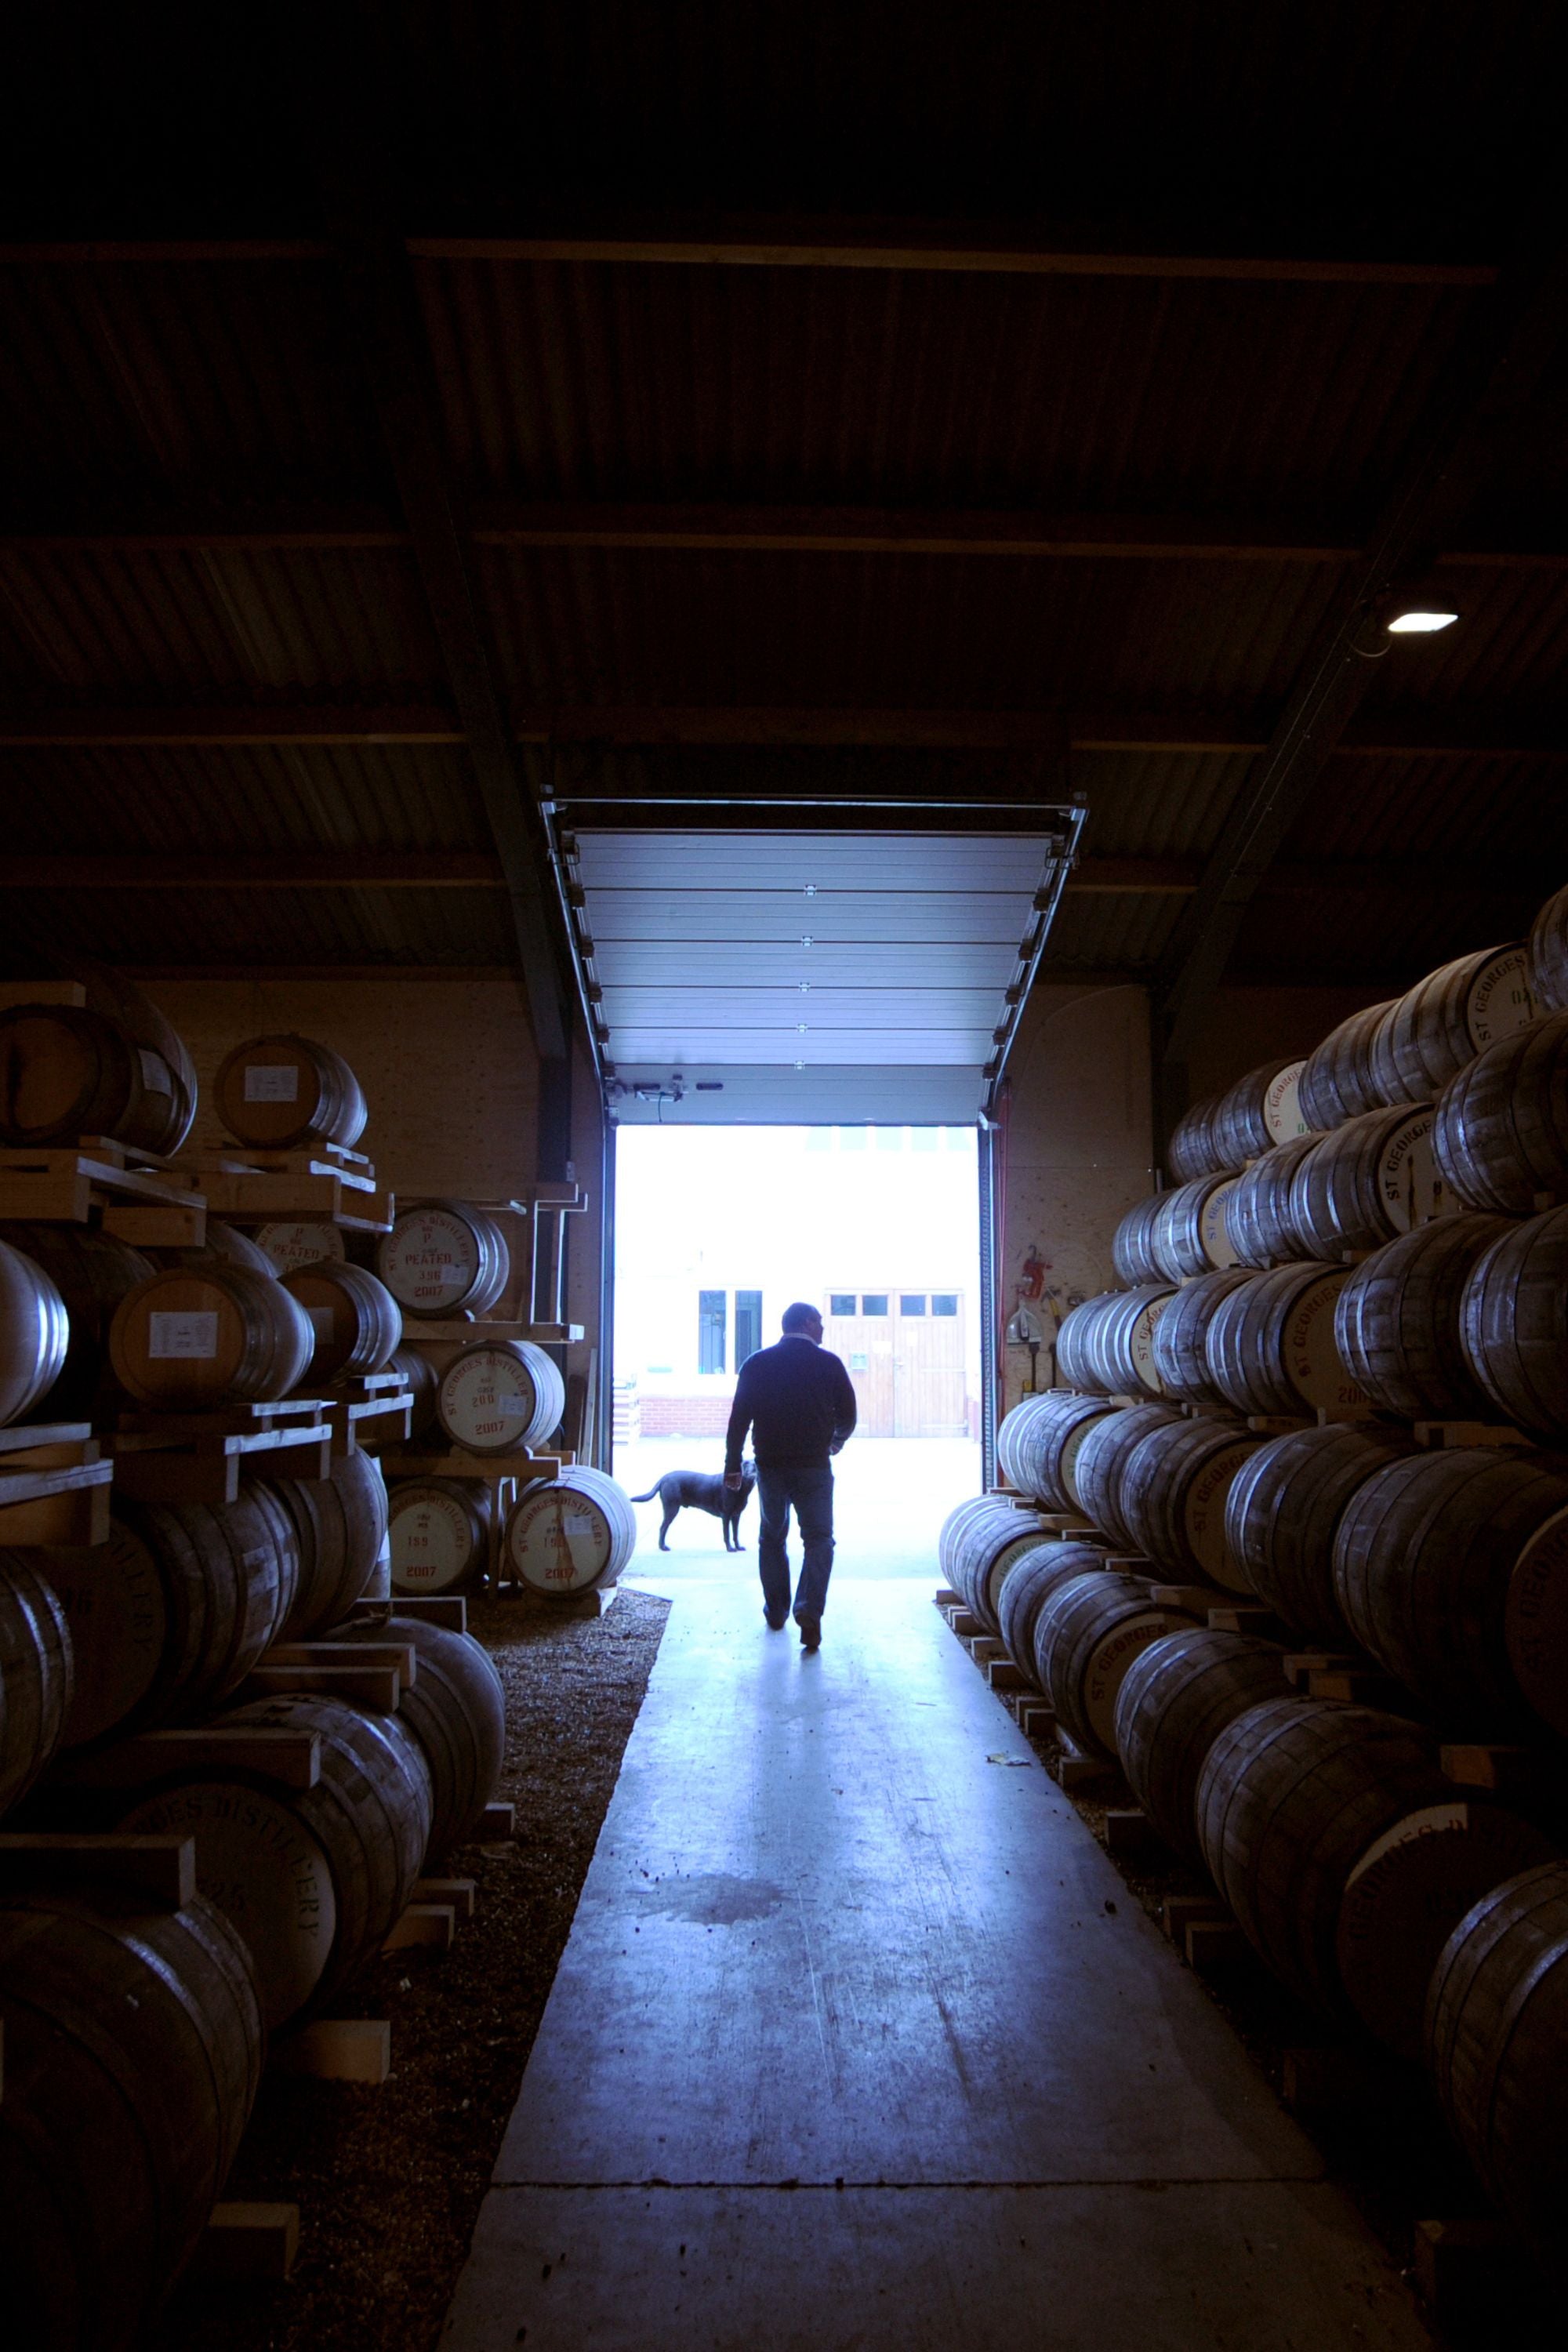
685 1417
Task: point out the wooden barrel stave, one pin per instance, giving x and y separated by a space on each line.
1172 1496
1099 1468
439 1531
1175 1699
1037 1456
1258 1111
91 1272
1192 1150
498 1395
1549 954
456 1709
338 1525
1397 1323
285 1092
1029 1584
1188 1232
355 1322
1426 1554
1447 1019
1338 1080
978 1544
1113 1346
1371 1178
570 1534
443 1257
142 2029
194 1338
37 1674
1181 1335
1270 1342
1132 1244
1258 1208
1088 1631
1500 1132
35 1334
69 1071
424 1386
1513 1322
1281 1512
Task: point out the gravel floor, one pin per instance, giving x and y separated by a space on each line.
388 2181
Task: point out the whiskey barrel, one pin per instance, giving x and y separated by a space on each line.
1496 2027
1173 1485
1397 1323
424 1386
1434 1573
312 1878
1500 1134
1258 1208
112 1067
287 1243
1283 1508
1338 1080
1106 1345
279 1093
1132 1244
1344 1856
1262 1110
1188 1233
1192 1150
456 1708
570 1534
1513 1321
443 1257
1447 1019
1372 1177
169 1616
35 1334
1549 954
1181 1337
1271 1343
1029 1584
1175 1699
355 1323
92 1273
338 1524
439 1532
36 1670
498 1395
1087 1636
976 1548
197 1337
1037 1441
1099 1471
134 2050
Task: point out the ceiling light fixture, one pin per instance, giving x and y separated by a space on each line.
1420 623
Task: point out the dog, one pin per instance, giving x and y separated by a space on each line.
694 1490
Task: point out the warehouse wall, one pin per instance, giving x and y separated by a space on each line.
1250 1025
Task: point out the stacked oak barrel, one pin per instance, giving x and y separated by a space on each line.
182 1887
1330 1398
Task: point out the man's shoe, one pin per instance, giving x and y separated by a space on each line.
776 1624
810 1631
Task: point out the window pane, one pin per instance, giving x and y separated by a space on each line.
851 1139
889 1139
841 1302
748 1325
912 1305
710 1322
819 1139
874 1302
944 1302
924 1138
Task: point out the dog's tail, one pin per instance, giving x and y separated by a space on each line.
649 1496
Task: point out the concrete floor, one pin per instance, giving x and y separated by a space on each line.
859 2042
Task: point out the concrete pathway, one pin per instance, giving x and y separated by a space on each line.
859 2042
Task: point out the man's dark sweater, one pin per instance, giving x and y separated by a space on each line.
798 1403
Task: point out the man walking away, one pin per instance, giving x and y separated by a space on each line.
797 1401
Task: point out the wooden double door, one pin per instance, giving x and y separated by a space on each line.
904 1351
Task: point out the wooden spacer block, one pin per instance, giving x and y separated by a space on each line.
497 1820
340 2049
1439 1433
248 2241
158 1228
379 1688
1333 2079
448 1610
432 1924
162 1869
964 1625
1037 1718
459 1894
1244 1620
290 1759
1478 1766
1211 1943
1298 1664
1464 2268
1192 1599
1004 1675
984 1647
947 1598
1365 1685
1076 1771
1127 1563
1129 1830
1178 1911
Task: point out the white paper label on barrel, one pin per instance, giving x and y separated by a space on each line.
1312 1363
1203 1515
1409 1182
1068 1458
559 1550
192 1333
271 1082
1213 1233
429 1261
488 1400
321 1322
1140 1342
1281 1104
430 1543
1501 1000
155 1078
292 1241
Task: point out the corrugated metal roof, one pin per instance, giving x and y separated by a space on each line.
264 926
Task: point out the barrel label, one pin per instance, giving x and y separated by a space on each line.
1431 1821
292 1241
191 1333
271 1082
1535 1622
1282 1106
1107 1670
156 1078
1202 1516
557 1540
1067 1459
487 1402
429 1260
1500 1000
1312 1361
1140 1345
1214 1234
431 1542
1409 1184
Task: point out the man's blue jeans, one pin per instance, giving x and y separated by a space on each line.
811 1494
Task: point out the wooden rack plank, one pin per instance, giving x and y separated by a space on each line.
163 1869
290 1759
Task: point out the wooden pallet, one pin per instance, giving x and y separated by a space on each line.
1438 1434
54 1487
525 1463
253 1188
454 1331
292 1759
374 1409
373 1675
160 1871
134 1195
196 1457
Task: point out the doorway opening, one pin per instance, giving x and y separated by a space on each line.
717 1230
